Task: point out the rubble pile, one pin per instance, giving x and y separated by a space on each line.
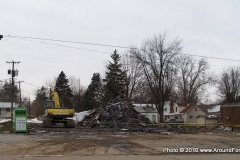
117 115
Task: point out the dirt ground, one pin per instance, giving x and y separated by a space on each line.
119 144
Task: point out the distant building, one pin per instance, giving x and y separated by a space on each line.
186 112
173 110
5 109
230 113
201 114
149 111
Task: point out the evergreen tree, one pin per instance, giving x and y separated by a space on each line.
37 107
40 95
92 96
64 91
6 92
114 79
96 88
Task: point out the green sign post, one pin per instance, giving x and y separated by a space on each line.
20 119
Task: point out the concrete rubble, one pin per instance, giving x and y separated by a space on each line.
118 115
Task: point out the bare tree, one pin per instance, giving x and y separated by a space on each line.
35 108
228 85
157 59
74 84
50 83
78 91
143 93
192 79
134 76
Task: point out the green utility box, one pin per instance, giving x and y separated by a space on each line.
20 119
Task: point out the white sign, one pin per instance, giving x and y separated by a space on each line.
21 124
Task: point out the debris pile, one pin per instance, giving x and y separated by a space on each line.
117 115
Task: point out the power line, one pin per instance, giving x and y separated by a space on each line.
6 55
212 57
32 85
66 46
29 83
56 40
3 74
98 44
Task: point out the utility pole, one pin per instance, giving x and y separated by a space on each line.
29 114
20 92
1 92
13 73
79 98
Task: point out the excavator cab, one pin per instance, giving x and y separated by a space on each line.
49 104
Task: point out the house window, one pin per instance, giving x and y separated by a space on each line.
176 109
165 109
8 110
176 117
195 108
165 117
191 117
0 111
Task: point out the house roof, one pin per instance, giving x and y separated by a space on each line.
188 108
206 108
144 108
182 104
7 105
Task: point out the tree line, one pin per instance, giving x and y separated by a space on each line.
155 72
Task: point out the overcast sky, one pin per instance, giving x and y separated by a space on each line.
206 28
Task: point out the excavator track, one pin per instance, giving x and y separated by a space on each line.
47 123
70 123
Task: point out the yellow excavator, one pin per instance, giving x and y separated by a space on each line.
54 114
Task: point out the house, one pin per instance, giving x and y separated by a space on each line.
172 111
201 114
5 109
185 111
188 113
149 111
230 113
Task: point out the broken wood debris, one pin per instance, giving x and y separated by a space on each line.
117 115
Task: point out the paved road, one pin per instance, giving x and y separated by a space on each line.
129 157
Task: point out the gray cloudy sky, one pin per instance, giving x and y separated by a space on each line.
206 28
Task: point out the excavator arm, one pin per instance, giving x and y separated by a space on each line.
54 97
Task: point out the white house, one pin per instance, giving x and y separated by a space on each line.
149 111
5 109
173 110
201 114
